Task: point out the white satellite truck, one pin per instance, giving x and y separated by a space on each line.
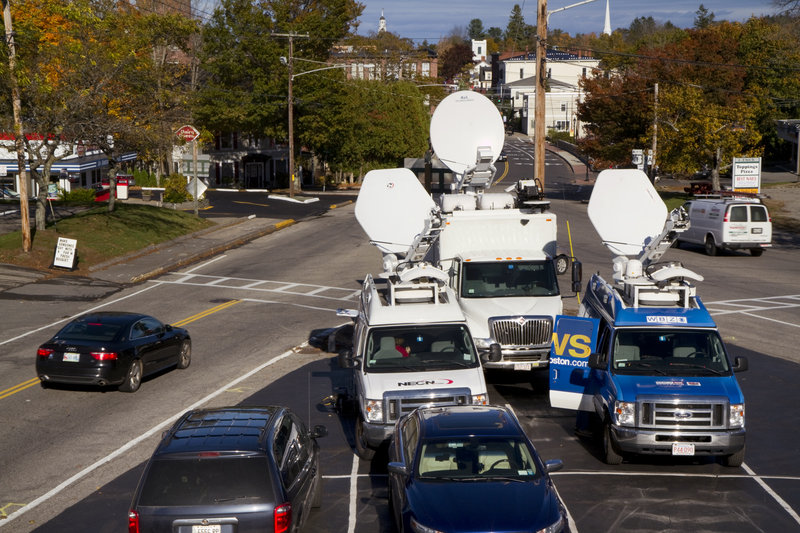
655 378
499 249
411 343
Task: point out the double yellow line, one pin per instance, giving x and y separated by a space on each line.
33 381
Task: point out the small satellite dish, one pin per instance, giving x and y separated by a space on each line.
462 123
626 210
392 208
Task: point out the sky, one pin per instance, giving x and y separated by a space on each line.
433 19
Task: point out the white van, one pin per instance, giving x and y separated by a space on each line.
731 223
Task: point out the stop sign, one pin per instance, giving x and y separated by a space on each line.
187 133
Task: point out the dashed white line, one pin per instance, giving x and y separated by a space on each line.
353 507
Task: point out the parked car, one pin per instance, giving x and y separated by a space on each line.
5 192
470 468
112 348
230 470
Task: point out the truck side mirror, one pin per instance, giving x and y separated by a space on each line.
577 276
595 362
494 354
318 431
345 359
740 364
397 468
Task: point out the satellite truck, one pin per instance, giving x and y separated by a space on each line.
499 250
644 363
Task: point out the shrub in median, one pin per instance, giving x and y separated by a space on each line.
175 189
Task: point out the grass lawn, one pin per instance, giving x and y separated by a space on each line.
101 235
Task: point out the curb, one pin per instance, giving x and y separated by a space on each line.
213 250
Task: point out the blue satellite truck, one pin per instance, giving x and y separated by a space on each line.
643 363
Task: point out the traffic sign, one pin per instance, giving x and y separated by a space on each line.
188 133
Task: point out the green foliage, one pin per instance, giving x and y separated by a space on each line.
76 195
560 136
175 189
143 178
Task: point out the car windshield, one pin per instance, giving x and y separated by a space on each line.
507 279
89 331
415 348
476 458
206 481
670 352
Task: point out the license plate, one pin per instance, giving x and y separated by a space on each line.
757 230
72 357
680 448
212 528
522 366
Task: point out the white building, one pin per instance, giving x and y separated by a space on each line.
481 76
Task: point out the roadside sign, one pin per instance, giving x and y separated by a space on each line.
187 133
747 174
64 256
196 185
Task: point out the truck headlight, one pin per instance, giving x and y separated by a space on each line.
374 410
483 344
480 399
625 413
736 418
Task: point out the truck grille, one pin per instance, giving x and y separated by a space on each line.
522 331
683 413
397 404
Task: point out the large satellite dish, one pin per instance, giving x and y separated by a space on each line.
392 208
626 210
462 123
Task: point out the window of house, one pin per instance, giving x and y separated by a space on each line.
563 107
521 74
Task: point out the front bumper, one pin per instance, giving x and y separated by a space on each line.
655 442
377 434
520 358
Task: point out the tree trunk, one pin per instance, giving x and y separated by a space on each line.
715 171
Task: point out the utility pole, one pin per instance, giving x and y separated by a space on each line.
19 139
655 133
290 64
539 96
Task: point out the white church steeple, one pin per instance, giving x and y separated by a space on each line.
607 25
382 23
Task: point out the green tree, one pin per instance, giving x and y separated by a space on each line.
703 17
517 32
455 60
475 30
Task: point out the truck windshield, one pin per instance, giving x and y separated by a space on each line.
669 352
420 348
508 278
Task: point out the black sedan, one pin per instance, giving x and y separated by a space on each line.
112 348
470 468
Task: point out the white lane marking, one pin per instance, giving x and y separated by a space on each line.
773 320
201 265
283 287
572 525
152 431
256 300
768 489
353 508
155 284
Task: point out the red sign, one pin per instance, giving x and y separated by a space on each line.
188 133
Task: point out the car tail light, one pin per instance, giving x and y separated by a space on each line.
282 517
105 356
44 352
133 521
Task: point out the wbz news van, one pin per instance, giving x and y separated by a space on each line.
644 363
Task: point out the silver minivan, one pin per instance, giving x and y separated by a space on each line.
728 223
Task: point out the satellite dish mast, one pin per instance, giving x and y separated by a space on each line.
467 135
632 220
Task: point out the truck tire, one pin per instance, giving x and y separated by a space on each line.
610 454
734 459
711 247
362 448
756 252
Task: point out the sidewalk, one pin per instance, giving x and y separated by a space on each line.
109 277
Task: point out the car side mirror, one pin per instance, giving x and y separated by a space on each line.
168 327
345 359
397 468
577 276
595 362
553 465
318 431
740 364
494 355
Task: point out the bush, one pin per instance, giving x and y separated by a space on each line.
76 195
175 189
142 178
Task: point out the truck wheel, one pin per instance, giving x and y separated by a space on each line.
610 455
756 252
711 248
734 459
362 448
